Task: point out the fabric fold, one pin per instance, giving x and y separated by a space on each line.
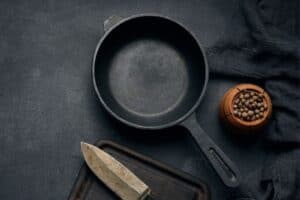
262 44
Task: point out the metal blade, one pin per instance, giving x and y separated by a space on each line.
114 174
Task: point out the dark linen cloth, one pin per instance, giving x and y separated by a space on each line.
262 45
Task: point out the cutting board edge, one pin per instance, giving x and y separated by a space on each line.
78 190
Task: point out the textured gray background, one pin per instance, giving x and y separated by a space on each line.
47 103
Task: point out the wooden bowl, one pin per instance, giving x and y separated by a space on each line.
240 125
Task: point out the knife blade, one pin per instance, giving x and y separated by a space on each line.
114 175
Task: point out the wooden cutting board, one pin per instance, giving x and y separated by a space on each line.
166 183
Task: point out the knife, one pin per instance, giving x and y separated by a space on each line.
114 175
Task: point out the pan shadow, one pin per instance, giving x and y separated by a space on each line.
148 137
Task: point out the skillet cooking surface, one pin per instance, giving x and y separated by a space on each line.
149 71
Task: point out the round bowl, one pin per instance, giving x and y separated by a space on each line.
233 121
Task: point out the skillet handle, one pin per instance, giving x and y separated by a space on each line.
224 167
111 21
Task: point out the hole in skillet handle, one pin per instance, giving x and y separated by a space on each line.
223 166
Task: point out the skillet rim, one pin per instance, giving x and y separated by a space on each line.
136 125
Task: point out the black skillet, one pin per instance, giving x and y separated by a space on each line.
150 72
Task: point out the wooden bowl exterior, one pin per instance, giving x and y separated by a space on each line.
226 109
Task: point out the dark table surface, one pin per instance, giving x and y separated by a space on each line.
47 102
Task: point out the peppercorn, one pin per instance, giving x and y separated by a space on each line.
249 105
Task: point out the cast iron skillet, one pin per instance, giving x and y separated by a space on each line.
150 72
